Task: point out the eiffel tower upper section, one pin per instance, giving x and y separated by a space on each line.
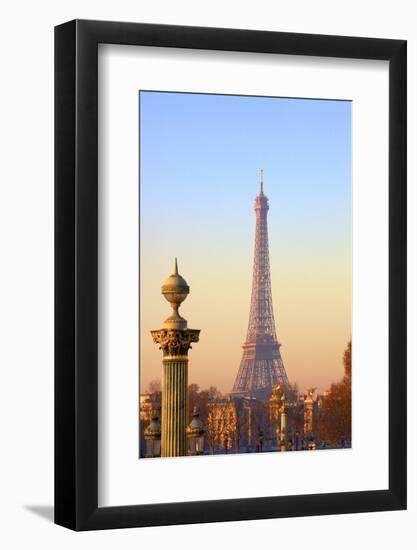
261 326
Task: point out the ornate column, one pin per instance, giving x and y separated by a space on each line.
283 434
308 411
174 340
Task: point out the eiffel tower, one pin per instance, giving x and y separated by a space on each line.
261 366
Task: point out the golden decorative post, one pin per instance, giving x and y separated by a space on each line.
308 411
283 434
174 340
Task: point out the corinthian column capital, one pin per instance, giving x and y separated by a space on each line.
174 342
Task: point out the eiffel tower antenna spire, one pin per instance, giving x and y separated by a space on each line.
261 366
262 181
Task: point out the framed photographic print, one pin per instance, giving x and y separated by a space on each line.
230 274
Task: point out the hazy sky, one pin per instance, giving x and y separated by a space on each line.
200 159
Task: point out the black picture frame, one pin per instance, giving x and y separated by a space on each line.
76 272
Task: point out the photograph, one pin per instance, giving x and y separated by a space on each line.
209 267
245 274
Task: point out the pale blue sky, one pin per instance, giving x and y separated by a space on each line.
208 150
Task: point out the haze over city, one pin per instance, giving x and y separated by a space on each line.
200 161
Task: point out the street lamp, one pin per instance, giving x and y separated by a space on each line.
260 440
153 437
195 434
297 440
226 442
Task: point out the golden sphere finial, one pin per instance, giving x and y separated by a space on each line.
175 290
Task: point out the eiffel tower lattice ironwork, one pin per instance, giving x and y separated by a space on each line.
261 366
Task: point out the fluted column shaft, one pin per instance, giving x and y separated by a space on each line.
174 344
283 425
308 417
174 407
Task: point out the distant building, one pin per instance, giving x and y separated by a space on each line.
145 407
236 424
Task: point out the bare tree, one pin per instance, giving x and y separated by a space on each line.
154 386
221 424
